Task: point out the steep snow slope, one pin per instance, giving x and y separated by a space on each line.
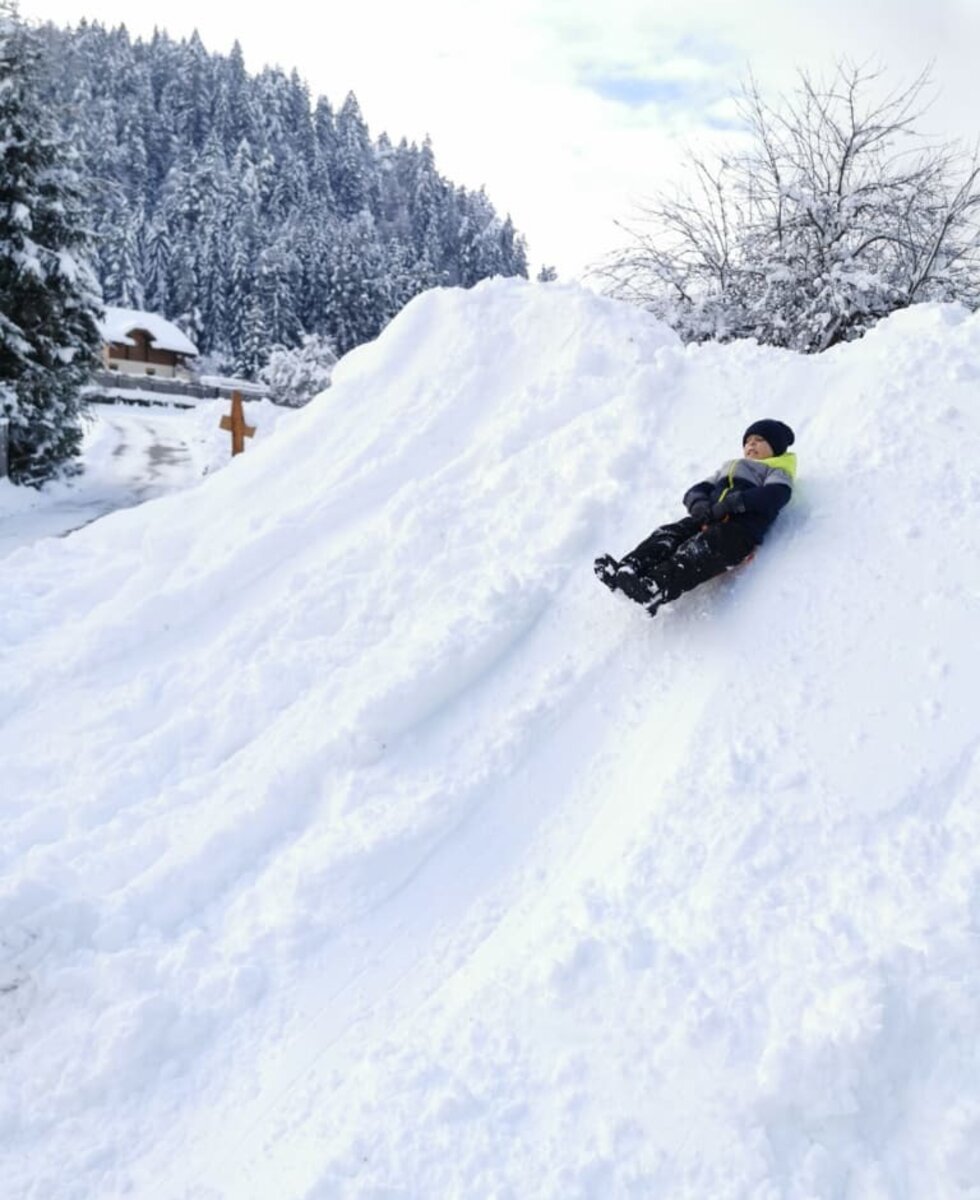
358 844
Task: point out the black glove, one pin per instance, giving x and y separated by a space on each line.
732 504
700 510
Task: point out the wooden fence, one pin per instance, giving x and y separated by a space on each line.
107 386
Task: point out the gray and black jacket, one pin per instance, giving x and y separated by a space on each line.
758 489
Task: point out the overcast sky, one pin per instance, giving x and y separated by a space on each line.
569 111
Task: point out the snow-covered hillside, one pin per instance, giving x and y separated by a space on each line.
358 844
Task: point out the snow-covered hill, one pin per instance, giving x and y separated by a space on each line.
357 844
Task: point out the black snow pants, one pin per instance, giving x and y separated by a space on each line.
677 557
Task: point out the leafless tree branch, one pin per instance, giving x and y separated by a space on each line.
837 214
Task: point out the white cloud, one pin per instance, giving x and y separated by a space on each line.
569 111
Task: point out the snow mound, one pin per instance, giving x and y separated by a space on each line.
358 844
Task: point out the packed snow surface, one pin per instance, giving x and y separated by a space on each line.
358 844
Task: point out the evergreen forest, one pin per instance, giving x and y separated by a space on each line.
245 211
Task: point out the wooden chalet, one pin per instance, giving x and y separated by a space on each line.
139 343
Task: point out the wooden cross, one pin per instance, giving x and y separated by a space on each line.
235 424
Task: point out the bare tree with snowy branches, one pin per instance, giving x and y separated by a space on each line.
837 214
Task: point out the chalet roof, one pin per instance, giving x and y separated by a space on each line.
118 323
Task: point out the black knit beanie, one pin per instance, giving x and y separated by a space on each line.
776 433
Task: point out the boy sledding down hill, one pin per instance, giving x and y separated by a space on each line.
729 516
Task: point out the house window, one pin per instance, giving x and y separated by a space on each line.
151 370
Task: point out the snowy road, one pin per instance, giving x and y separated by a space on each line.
131 454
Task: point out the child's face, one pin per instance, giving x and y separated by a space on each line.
757 447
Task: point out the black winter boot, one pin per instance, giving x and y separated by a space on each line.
630 584
605 567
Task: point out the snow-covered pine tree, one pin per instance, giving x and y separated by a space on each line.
156 266
253 349
49 300
407 275
426 200
513 250
277 288
324 147
360 291
123 284
354 178
214 273
315 253
232 114
476 253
